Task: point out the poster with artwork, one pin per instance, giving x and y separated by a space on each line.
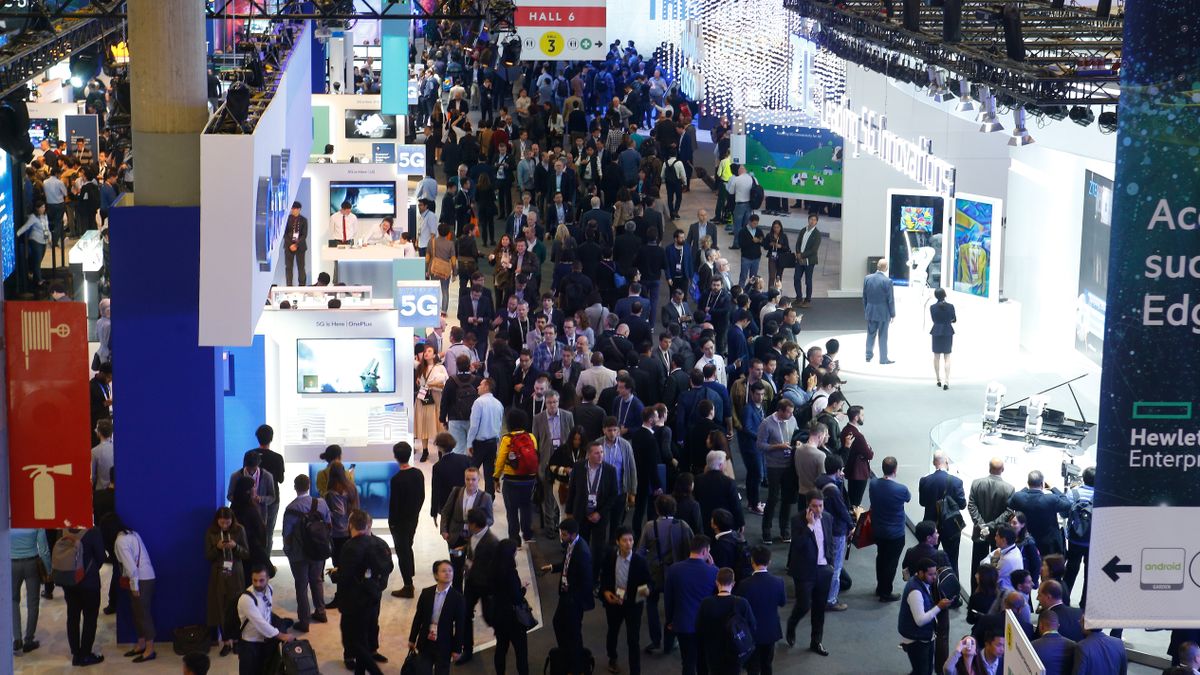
796 162
1092 297
972 248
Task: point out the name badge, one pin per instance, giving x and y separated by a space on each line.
591 502
620 594
227 566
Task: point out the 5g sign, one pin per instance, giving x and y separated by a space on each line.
410 157
418 303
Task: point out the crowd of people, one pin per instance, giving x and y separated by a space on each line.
600 404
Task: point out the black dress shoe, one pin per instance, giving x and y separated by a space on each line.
890 597
134 652
87 660
225 649
818 649
791 637
143 658
30 645
349 663
320 618
300 627
463 659
109 610
651 648
379 658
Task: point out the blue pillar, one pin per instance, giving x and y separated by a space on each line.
169 454
245 400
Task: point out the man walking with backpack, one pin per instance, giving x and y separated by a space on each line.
726 629
1079 529
517 465
75 565
307 542
664 541
254 616
674 176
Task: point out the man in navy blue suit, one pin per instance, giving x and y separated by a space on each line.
574 592
766 594
624 586
930 492
687 583
879 307
810 564
888 497
1042 509
1056 652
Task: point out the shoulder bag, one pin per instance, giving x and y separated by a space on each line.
948 511
439 268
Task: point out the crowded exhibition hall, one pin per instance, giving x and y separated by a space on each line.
585 336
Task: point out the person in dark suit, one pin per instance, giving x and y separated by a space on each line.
295 249
1056 652
589 415
478 551
808 243
988 508
448 474
361 575
942 315
714 490
100 390
406 497
591 495
717 653
810 564
1099 654
639 326
766 594
879 307
930 492
1042 509
602 218
687 583
703 227
624 585
563 181
647 455
575 594
509 591
475 315
680 262
438 641
1050 601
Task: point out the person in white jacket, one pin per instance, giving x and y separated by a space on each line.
130 551
254 617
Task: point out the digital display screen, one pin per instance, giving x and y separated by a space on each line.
8 214
41 128
368 199
346 366
916 218
369 124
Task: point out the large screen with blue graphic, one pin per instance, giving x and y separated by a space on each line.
972 252
8 214
796 161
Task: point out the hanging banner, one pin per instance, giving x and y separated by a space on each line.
1144 567
49 440
394 93
561 30
84 128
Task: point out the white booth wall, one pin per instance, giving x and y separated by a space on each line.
54 111
1041 186
319 177
345 148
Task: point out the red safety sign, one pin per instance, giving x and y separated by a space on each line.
564 17
49 440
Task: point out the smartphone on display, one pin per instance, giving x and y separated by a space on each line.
352 466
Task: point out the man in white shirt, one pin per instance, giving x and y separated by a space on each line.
254 613
427 189
427 225
483 433
709 355
343 225
1007 556
102 455
917 614
739 187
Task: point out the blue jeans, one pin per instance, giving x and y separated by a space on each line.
741 216
749 269
36 251
458 429
518 505
651 289
55 213
839 559
804 272
879 328
309 588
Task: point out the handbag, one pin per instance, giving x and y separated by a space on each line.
524 614
191 640
439 268
786 259
948 512
864 531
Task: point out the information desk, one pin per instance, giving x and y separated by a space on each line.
365 266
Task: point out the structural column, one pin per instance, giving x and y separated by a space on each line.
168 415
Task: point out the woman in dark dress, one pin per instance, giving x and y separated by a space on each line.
776 244
942 314
984 596
248 515
225 547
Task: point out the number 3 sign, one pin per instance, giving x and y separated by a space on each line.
418 303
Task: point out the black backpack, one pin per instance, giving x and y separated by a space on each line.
757 195
740 637
314 535
672 178
465 394
1079 520
742 568
804 415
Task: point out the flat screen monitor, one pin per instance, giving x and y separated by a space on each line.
8 214
346 366
369 125
42 128
368 199
916 218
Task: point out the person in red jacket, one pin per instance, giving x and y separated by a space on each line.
858 455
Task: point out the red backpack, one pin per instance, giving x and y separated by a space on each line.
522 454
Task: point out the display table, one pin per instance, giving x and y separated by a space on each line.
365 266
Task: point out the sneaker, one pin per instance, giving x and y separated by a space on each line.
836 607
787 539
767 540
756 510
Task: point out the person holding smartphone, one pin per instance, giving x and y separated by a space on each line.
964 660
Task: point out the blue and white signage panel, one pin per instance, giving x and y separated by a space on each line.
418 303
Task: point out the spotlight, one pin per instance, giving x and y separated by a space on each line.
988 122
937 87
965 102
1056 112
84 66
1082 116
985 95
1020 135
1014 41
76 81
1108 122
511 54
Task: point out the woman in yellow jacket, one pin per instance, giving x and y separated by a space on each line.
517 465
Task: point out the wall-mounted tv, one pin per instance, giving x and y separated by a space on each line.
368 199
345 366
369 125
916 218
43 128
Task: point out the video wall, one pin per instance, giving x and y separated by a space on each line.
1093 265
799 162
915 225
8 215
345 365
973 250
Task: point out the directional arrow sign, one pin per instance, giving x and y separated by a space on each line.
1114 569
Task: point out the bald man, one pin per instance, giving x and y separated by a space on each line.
988 507
943 498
